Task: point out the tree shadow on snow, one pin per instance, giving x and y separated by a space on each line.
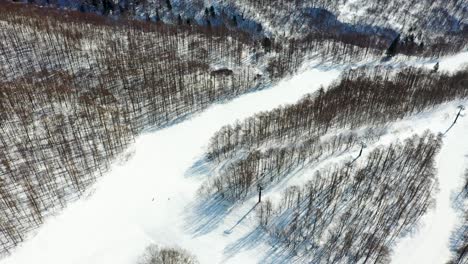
229 231
199 168
249 241
276 254
205 215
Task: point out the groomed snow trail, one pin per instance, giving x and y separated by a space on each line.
120 218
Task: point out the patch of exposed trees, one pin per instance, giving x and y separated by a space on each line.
354 214
156 255
266 166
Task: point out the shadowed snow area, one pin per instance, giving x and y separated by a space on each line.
152 197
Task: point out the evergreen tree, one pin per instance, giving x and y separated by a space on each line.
179 20
157 18
107 7
392 49
169 5
95 3
259 27
266 43
82 8
212 11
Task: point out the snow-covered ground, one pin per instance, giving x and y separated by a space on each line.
152 196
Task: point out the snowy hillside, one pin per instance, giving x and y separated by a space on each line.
183 132
150 196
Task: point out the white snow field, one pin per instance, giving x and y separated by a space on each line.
152 196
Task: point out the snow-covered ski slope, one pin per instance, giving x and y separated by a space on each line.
151 197
430 243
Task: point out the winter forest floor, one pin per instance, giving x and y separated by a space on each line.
150 194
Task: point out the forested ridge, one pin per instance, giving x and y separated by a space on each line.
442 27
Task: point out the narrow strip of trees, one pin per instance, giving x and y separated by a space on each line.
238 179
362 97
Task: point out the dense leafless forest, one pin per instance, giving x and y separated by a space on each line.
87 88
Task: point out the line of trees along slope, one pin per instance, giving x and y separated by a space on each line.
353 214
360 207
238 179
361 97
